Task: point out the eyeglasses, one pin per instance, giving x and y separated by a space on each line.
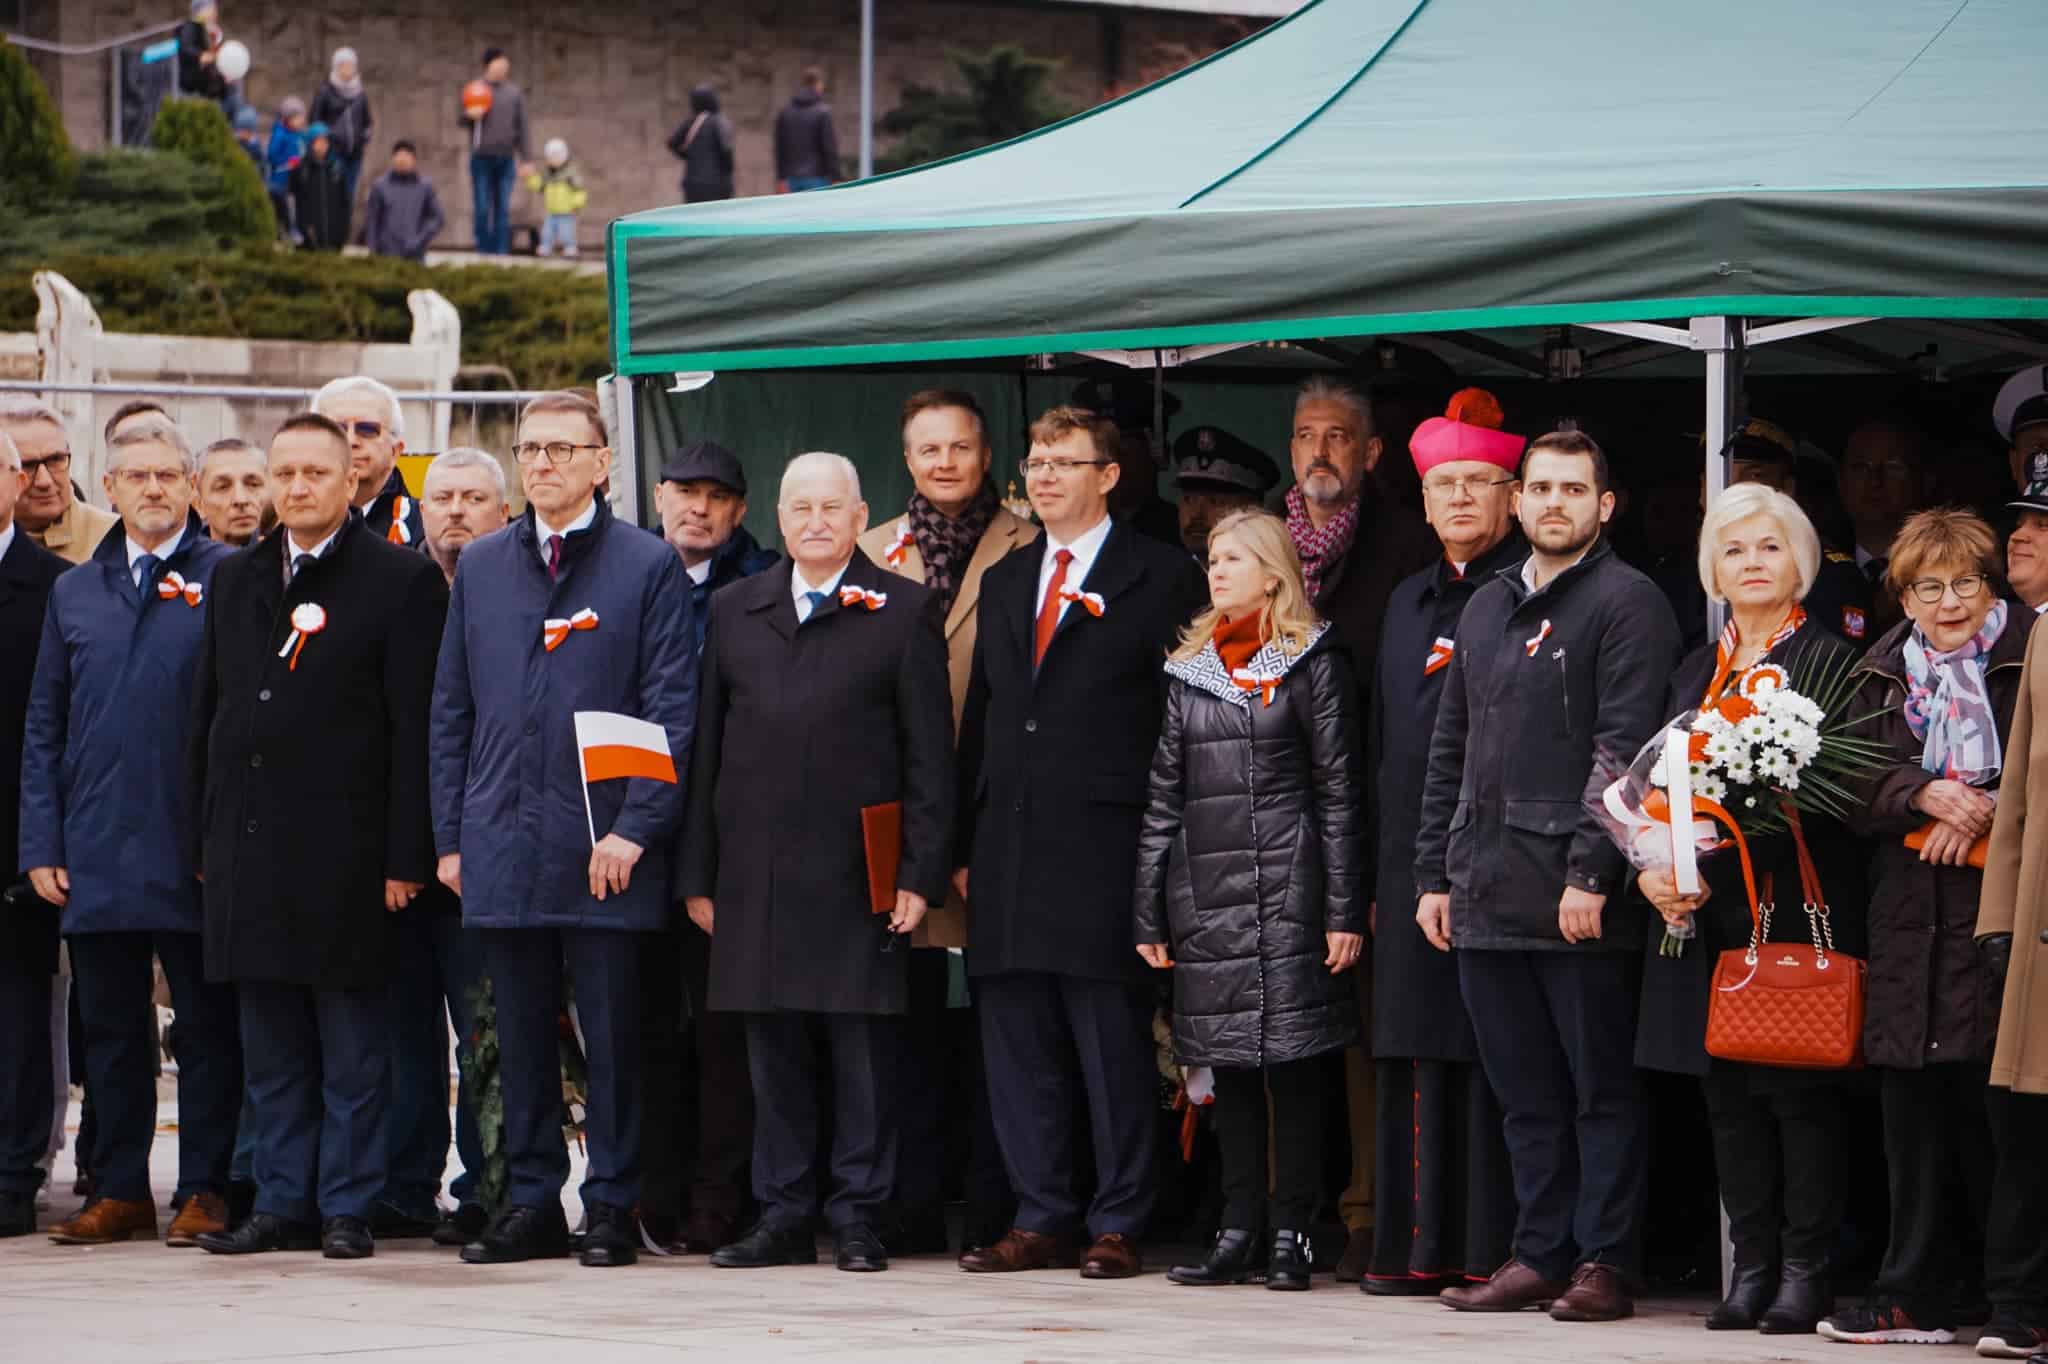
58 465
558 452
1062 467
139 478
1931 590
1471 485
368 430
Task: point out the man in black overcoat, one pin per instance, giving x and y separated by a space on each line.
28 927
823 694
310 776
1063 711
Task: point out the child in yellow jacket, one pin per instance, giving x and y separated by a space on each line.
562 196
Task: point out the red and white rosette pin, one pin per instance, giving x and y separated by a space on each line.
1256 682
899 548
308 619
1535 641
850 595
173 586
555 630
1091 602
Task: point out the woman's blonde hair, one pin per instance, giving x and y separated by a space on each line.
1740 503
1289 619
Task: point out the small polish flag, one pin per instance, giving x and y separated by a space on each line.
612 746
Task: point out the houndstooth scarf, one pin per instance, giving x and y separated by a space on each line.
947 543
1320 550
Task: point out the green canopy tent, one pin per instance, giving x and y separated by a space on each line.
1679 173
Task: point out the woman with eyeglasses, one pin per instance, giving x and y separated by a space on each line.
1940 687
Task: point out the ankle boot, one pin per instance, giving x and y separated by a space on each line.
1234 1258
1291 1261
1750 1287
1803 1299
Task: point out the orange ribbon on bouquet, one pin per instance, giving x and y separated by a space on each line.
553 632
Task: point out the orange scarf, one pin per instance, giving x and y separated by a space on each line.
1238 640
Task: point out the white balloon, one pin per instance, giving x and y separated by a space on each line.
232 61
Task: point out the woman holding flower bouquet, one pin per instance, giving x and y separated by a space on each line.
1249 885
1777 1133
1946 680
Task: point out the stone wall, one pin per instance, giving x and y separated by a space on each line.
614 78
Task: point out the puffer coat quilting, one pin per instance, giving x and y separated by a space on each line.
1250 854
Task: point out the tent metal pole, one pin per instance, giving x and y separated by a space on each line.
1720 340
867 88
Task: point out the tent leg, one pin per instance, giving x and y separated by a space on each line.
1720 340
867 89
627 477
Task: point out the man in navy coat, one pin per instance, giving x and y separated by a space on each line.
28 931
103 836
566 610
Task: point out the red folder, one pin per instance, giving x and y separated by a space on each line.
881 834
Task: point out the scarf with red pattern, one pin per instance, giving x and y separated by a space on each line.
1320 550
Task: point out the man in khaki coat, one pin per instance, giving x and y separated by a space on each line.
954 528
50 509
2012 932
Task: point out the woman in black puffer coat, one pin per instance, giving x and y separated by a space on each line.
1249 883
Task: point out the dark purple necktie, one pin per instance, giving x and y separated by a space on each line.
554 557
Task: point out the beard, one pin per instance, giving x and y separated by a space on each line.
1324 486
1559 541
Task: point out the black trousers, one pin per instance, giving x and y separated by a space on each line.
697 1099
112 978
1937 1145
943 1096
319 1073
1556 1033
1036 1031
789 1054
28 1088
525 966
437 963
1445 1196
1293 1156
2016 1241
1778 1150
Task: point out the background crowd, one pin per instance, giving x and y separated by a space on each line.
932 815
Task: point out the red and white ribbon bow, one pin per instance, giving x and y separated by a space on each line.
173 585
850 595
1251 681
899 549
1439 656
1536 641
308 619
400 533
553 632
1091 601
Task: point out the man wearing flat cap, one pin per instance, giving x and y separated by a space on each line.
1216 474
702 501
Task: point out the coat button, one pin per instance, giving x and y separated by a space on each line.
255 760
1018 807
1031 726
2044 935
532 728
251 826
263 695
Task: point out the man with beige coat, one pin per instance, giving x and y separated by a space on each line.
953 530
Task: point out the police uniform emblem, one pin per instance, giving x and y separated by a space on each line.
2037 467
1854 623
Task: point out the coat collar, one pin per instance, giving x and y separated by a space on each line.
1512 574
1508 554
1117 568
575 546
1005 533
1270 664
768 591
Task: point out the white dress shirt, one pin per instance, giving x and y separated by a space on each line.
1529 570
6 539
699 573
1084 547
798 586
542 530
162 552
292 550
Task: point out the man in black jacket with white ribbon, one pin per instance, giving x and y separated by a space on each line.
1557 681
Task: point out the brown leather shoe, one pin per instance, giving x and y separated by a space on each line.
105 1221
1513 1287
706 1231
202 1212
1357 1256
1113 1256
1598 1293
1020 1250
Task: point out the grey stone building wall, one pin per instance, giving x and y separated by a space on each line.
613 79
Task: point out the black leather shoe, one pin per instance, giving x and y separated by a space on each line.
1291 1262
260 1232
347 1238
1750 1288
462 1226
857 1250
1233 1258
521 1233
611 1237
766 1244
1803 1299
17 1214
389 1222
241 1201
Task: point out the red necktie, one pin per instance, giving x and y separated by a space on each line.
554 557
1049 609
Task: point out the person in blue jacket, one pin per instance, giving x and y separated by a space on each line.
566 610
104 835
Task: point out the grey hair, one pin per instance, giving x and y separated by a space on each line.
469 457
24 410
821 459
231 445
149 428
1742 502
362 383
1320 388
10 453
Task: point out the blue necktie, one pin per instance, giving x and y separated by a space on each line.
816 599
145 575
